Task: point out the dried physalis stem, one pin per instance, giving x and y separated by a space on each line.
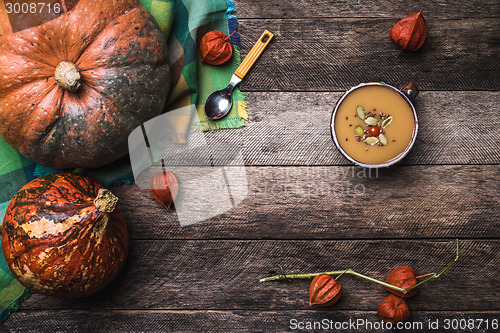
432 276
410 32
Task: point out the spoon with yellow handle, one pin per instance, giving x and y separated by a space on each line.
219 103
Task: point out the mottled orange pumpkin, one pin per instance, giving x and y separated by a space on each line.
72 89
64 235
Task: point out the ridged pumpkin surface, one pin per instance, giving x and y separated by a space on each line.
122 58
55 240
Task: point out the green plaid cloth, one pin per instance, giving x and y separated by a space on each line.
184 22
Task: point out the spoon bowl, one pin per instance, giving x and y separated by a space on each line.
219 103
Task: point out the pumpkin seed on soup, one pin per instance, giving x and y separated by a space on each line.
371 140
359 130
361 112
382 139
386 122
371 121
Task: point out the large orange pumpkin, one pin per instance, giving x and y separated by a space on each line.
72 89
64 235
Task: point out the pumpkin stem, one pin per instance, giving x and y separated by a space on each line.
105 201
68 76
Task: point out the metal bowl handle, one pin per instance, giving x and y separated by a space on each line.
410 90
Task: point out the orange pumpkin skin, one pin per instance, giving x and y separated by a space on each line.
122 60
56 242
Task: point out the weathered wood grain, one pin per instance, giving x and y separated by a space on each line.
223 275
235 321
175 283
337 203
397 9
335 54
293 128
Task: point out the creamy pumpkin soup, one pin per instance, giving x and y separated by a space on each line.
374 124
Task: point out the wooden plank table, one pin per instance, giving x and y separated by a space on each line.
299 213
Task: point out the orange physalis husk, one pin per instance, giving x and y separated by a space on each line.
215 48
393 310
402 277
324 290
164 188
410 32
